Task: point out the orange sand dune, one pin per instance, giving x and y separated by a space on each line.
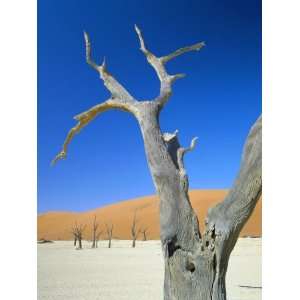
57 225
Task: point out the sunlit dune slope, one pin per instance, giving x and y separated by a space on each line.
58 225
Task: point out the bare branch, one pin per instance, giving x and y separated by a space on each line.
182 151
120 99
158 64
116 89
86 117
88 52
195 47
142 43
246 191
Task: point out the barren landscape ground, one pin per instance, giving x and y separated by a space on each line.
124 273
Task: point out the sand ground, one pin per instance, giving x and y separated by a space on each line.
124 273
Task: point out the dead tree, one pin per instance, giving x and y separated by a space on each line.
95 226
144 232
195 263
77 231
73 231
134 230
109 231
98 238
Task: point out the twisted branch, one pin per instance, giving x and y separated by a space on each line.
85 118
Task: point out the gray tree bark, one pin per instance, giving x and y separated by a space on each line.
195 264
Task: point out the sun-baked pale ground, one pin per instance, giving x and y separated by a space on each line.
57 225
124 273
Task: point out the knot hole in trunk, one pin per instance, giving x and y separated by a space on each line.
190 266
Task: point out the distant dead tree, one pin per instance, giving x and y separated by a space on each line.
77 231
144 232
109 231
134 231
95 226
98 238
195 260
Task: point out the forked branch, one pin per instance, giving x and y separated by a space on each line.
120 97
158 63
116 89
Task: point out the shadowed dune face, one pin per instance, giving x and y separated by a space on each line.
58 225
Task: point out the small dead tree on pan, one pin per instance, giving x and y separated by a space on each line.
134 230
74 237
98 238
77 231
95 226
144 231
109 231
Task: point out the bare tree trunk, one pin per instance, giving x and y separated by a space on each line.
97 238
189 273
195 264
94 244
109 230
134 231
144 232
94 230
77 231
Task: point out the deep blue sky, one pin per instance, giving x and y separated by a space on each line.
218 100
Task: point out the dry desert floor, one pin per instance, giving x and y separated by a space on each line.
124 273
